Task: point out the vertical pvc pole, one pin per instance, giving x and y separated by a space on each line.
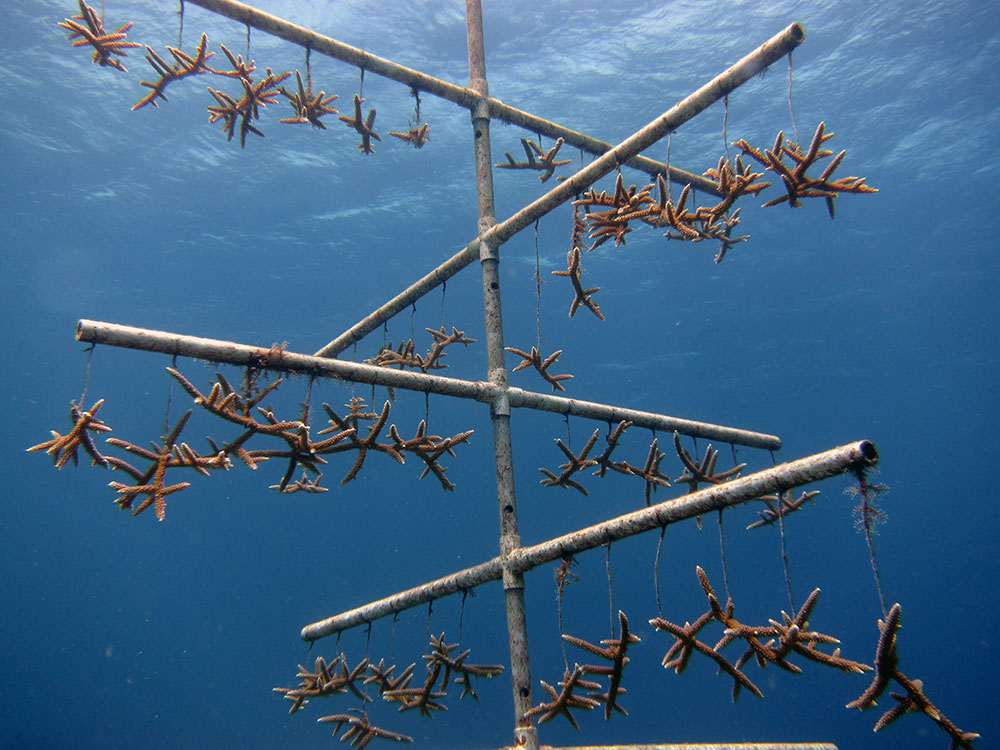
525 734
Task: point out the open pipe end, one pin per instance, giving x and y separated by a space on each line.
797 32
81 330
869 452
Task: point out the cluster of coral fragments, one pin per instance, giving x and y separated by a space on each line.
581 689
239 111
775 643
258 435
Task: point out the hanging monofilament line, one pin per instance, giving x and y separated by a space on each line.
722 552
309 77
170 395
461 618
791 112
444 289
86 373
430 611
871 516
307 404
248 44
564 576
180 26
560 587
722 538
392 639
784 548
611 591
725 125
656 571
361 86
538 288
670 190
368 642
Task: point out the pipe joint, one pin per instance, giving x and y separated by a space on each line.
481 109
500 405
488 250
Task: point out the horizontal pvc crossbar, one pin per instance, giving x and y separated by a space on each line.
229 352
767 482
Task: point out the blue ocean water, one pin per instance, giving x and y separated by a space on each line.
880 325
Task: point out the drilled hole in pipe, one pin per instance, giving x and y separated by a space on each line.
525 692
494 285
508 509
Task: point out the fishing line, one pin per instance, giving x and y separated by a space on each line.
795 127
784 548
538 289
656 570
461 618
725 126
170 396
670 187
180 25
611 592
722 550
427 631
307 406
392 644
86 373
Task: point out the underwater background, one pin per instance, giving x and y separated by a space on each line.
880 325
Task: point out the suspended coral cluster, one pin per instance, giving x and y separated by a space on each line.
613 650
107 47
545 163
534 359
405 355
797 183
243 108
334 678
914 700
255 421
695 472
63 448
734 179
776 642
